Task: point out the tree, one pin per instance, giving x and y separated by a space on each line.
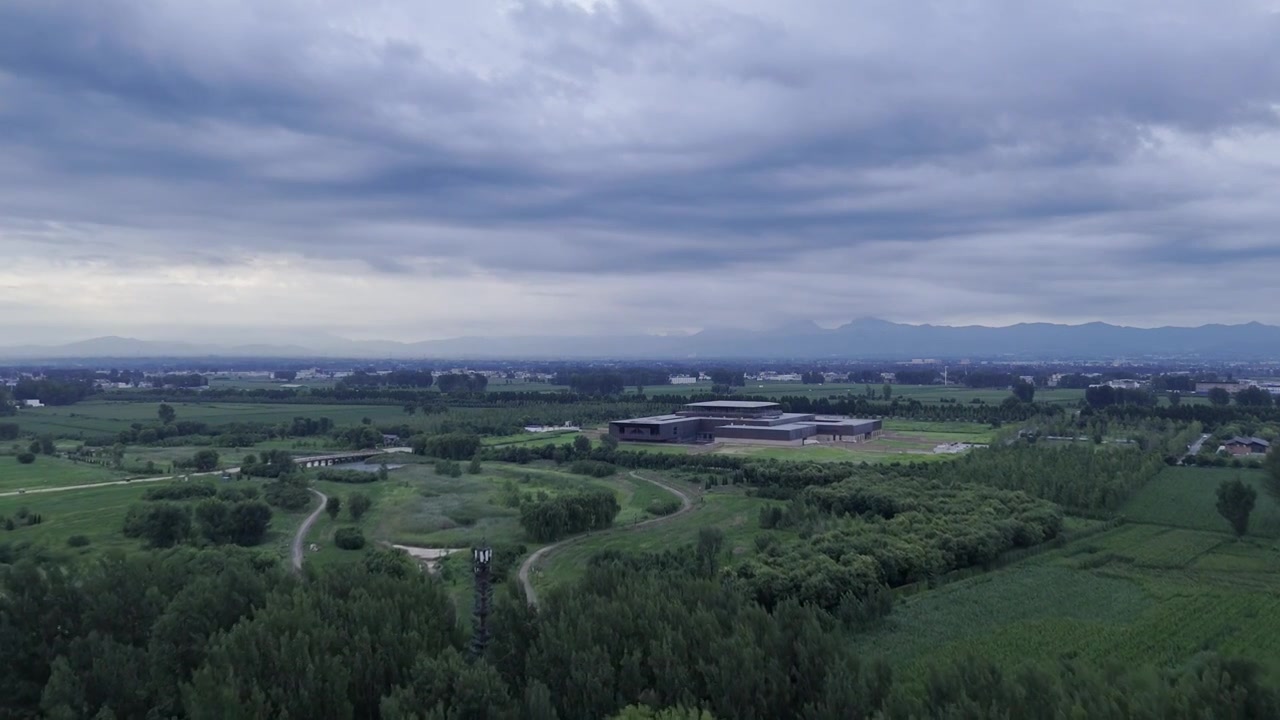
333 506
26 458
474 466
608 442
357 505
1235 502
166 413
1175 399
349 538
205 460
582 444
159 524
886 391
710 543
1253 397
1024 391
1219 396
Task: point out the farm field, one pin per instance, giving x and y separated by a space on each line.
531 439
101 417
1186 497
49 471
1139 593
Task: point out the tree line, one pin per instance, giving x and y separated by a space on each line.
549 519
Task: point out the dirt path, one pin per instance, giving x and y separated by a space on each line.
686 504
109 483
306 527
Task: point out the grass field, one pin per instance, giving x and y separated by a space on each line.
419 508
731 511
923 393
1140 593
1186 497
49 471
102 417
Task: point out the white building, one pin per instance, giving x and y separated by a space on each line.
32 403
683 380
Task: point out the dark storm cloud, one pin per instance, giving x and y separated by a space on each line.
647 138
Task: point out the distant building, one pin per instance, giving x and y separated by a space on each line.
388 439
1246 446
1231 387
748 422
683 379
32 403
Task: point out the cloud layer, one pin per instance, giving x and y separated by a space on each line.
412 170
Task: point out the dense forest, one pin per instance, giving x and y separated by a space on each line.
222 633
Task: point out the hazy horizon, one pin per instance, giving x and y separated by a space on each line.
403 171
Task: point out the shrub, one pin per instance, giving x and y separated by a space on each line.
26 458
593 468
78 540
663 507
347 476
349 538
286 496
180 491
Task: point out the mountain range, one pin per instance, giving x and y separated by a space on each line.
861 339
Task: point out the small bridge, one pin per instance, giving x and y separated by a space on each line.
343 458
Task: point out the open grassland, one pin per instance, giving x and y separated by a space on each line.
1137 594
414 506
103 417
531 439
48 471
1186 497
729 510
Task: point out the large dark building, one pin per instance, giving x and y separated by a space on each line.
743 422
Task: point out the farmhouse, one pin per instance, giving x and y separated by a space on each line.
748 422
1246 446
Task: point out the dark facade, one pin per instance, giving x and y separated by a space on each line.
742 421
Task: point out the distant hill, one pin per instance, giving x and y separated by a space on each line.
861 339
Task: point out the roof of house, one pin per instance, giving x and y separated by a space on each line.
1247 441
733 404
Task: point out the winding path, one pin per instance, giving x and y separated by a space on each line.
686 504
303 529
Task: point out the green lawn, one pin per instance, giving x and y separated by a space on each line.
48 471
1186 497
1140 593
103 417
731 511
96 513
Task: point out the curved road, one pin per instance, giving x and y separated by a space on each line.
527 566
306 527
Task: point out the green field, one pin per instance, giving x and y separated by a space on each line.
102 417
1140 593
923 393
1186 497
729 510
48 471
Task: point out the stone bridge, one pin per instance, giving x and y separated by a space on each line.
343 457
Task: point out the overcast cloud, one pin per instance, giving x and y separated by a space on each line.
408 170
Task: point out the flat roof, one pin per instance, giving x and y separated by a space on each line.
784 426
734 404
657 420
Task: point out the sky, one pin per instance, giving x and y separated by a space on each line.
418 169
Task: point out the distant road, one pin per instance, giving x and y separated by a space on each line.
109 483
1194 449
301 536
527 566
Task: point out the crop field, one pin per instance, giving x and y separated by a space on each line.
1185 497
100 417
531 439
49 471
1140 593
